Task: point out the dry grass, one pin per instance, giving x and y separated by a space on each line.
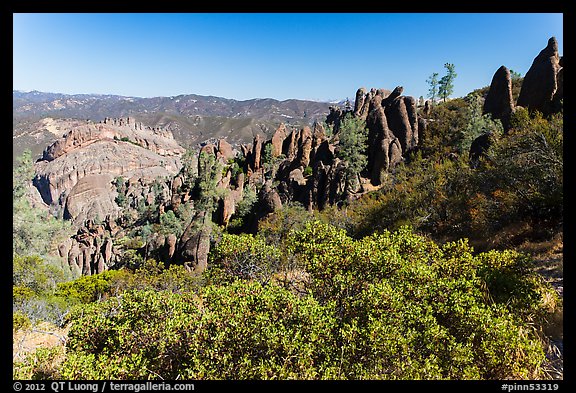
548 257
38 351
43 335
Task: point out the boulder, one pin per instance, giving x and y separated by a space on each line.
171 241
256 153
390 97
225 151
499 102
195 243
540 82
304 147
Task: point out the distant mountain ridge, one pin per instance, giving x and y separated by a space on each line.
191 118
97 107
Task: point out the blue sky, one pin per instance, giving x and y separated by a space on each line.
279 55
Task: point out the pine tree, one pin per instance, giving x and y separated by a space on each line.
446 84
353 135
433 91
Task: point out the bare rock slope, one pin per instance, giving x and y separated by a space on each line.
75 174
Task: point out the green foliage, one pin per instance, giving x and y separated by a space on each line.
433 83
249 198
446 83
34 231
409 309
22 175
88 289
149 274
525 171
443 132
41 364
189 167
328 130
42 308
235 166
244 209
153 274
431 196
276 227
34 282
170 224
512 283
515 75
37 274
478 124
269 162
208 170
241 331
352 135
245 257
20 321
392 305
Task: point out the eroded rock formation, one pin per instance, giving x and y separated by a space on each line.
499 102
76 172
118 169
540 84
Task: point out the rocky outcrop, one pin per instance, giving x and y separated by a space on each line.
540 83
278 140
225 151
94 172
335 117
557 100
361 104
91 196
304 147
194 244
403 120
76 172
91 250
157 140
392 124
256 154
499 102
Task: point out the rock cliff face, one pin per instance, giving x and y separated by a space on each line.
76 172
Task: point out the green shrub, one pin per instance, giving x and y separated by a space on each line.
88 289
20 321
242 331
36 273
243 256
42 364
410 309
